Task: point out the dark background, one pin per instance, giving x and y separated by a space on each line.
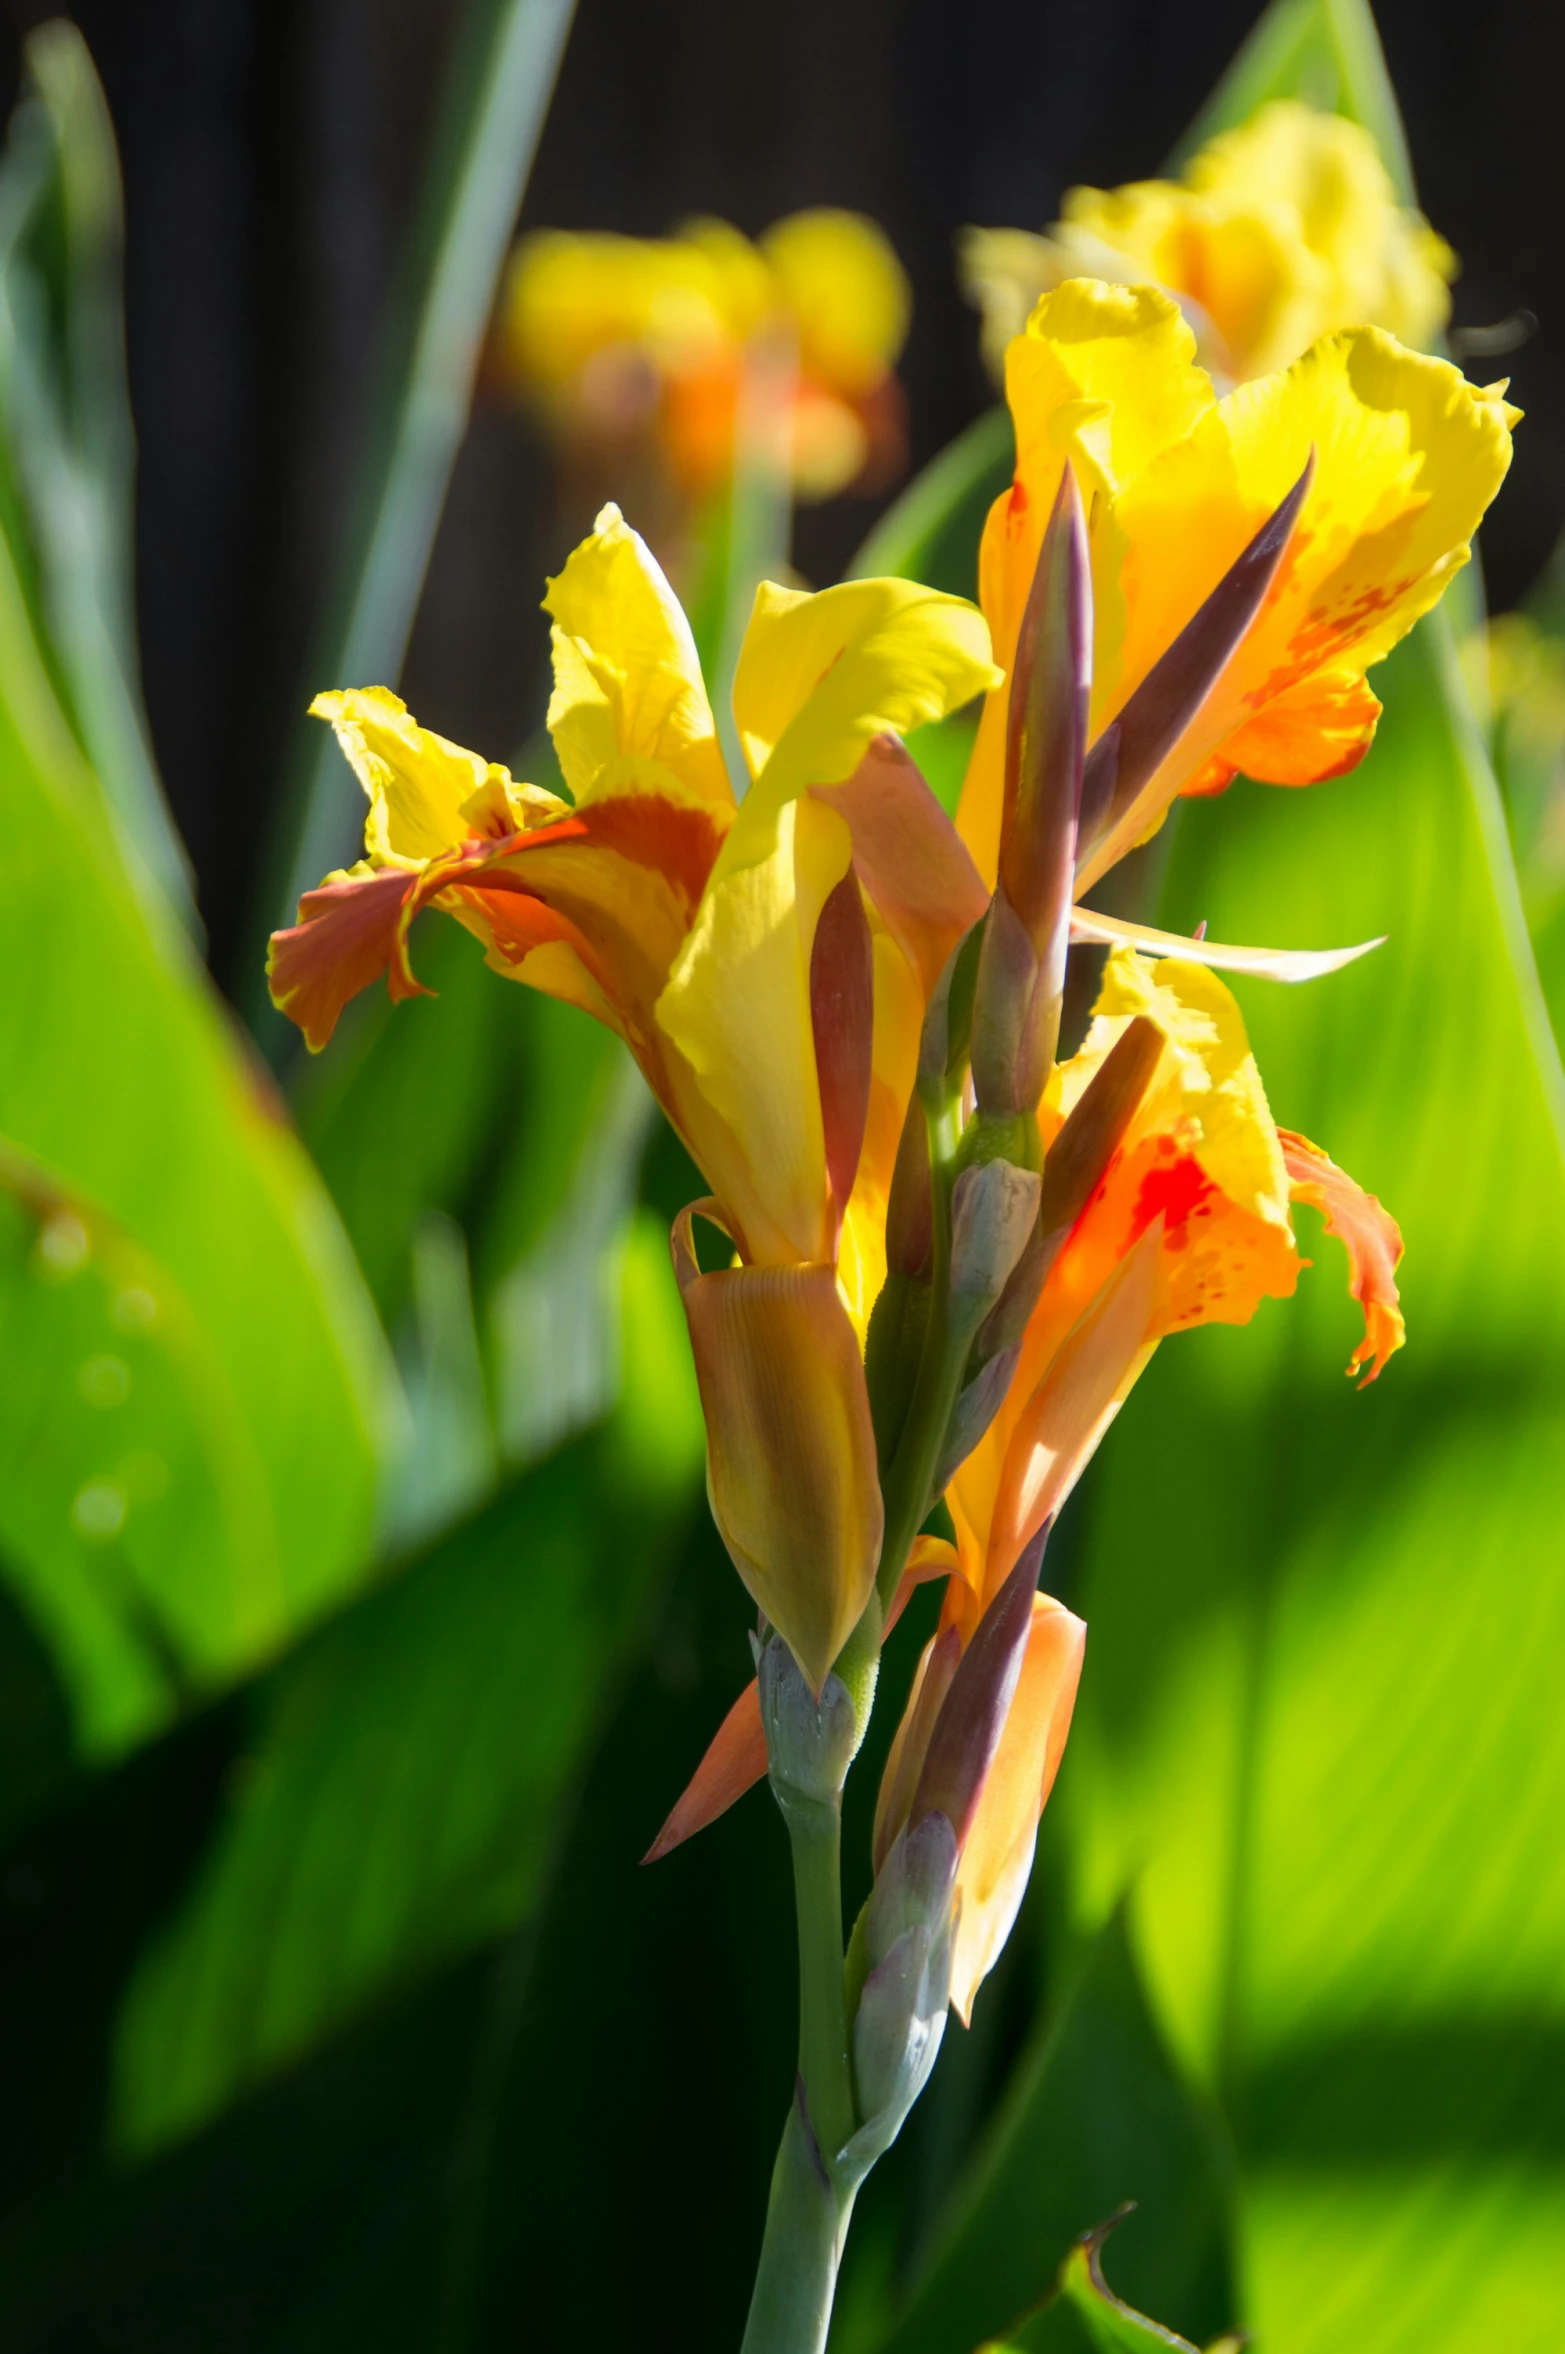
271 150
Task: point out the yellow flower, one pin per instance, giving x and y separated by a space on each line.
767 961
1279 232
1188 1224
1405 457
615 336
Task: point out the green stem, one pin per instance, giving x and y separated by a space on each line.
806 2215
790 2309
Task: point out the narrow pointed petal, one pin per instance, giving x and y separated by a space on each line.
1371 1238
734 1762
968 1729
842 1018
1266 964
1087 1380
909 856
910 1743
1128 755
790 1446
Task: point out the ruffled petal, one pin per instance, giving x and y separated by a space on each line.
628 689
349 932
1369 1235
416 782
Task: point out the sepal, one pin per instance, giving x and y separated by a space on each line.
810 1743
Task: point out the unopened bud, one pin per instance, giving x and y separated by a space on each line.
967 1731
993 1211
809 1745
1021 975
948 1018
901 2013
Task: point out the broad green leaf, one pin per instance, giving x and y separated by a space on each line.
121 1079
133 1509
506 56
1319 1737
410 1764
1094 2115
1084 2316
1326 52
66 445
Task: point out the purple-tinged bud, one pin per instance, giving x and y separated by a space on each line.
842 1017
1134 745
993 1210
968 1729
1021 978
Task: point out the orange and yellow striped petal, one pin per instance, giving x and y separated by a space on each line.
1370 1236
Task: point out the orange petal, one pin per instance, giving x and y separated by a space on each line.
931 1557
790 1448
909 855
1370 1236
997 1854
349 932
1321 729
1087 1380
733 1764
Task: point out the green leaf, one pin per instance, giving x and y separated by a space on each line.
1094 2115
66 441
1084 2316
133 1506
410 1766
1319 1731
122 1081
1326 52
502 77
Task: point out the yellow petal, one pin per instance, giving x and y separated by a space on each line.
1408 456
737 1009
846 293
997 1856
629 709
821 675
417 783
790 1448
899 1015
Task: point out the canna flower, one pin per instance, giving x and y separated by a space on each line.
616 338
1278 232
767 961
1186 1221
1251 557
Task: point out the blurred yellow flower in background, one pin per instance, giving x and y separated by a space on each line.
1277 233
627 339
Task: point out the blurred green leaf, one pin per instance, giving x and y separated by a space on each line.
931 531
1326 52
121 1079
1319 1737
1094 2115
66 444
501 79
410 1765
134 1519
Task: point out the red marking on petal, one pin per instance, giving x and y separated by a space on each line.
1370 1236
1173 1193
733 1764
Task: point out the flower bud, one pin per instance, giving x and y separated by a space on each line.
1021 971
897 2027
810 1744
